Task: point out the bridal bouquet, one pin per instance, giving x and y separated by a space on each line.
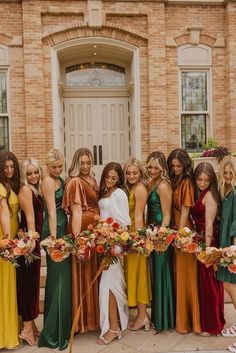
84 245
188 241
6 250
161 237
228 258
59 248
210 256
25 243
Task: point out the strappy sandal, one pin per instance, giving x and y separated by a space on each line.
229 331
232 348
102 340
139 324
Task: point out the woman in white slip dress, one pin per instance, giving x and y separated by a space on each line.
113 202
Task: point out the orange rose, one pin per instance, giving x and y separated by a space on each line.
90 227
56 256
232 268
191 248
100 249
96 217
170 238
82 241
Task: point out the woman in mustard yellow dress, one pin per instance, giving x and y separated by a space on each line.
9 206
136 266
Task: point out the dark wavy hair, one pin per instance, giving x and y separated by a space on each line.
15 182
182 156
121 178
207 168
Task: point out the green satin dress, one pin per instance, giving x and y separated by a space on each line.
57 305
163 302
227 233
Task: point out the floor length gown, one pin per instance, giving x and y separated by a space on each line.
137 271
113 279
211 290
227 233
28 276
57 305
163 302
186 269
80 191
8 298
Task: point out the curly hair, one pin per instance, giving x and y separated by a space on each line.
183 158
121 178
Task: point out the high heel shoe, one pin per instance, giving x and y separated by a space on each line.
103 340
145 324
27 339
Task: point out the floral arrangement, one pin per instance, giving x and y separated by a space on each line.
25 243
211 149
210 257
189 241
228 258
59 248
84 245
6 250
141 242
161 237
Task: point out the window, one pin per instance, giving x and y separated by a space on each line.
4 128
194 109
195 96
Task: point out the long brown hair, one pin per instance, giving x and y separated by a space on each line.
207 168
121 178
182 156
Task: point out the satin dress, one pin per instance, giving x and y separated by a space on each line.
137 271
211 290
57 305
28 276
8 298
163 301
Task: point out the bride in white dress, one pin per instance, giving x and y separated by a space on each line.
112 291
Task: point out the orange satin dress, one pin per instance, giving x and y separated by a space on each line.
79 191
186 270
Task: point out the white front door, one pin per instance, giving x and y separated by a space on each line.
100 124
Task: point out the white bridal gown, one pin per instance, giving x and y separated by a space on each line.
113 279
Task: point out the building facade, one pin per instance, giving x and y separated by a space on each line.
123 78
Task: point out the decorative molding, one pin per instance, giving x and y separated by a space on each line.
170 42
95 92
95 13
195 32
4 55
16 41
219 43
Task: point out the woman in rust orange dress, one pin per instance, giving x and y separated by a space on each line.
186 270
80 201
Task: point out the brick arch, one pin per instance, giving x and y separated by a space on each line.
5 40
204 39
82 31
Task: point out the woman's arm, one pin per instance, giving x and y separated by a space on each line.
5 218
165 193
184 216
48 191
210 215
76 221
141 196
26 204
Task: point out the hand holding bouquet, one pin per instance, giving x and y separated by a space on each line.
188 241
210 257
161 237
59 248
6 250
228 258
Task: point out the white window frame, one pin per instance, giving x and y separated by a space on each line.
7 114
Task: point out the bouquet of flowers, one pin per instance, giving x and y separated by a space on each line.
228 258
84 245
188 241
24 245
59 248
210 256
6 250
161 237
140 243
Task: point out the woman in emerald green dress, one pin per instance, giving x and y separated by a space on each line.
227 186
57 307
159 212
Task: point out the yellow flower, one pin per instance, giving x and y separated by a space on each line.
124 236
149 246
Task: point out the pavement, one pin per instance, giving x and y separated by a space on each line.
146 342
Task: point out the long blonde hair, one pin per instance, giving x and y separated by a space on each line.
231 162
134 162
54 155
161 164
74 169
23 171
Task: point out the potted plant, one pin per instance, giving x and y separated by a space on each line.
212 153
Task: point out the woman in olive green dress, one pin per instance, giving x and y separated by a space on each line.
227 186
159 212
57 307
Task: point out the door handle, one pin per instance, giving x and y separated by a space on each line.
100 154
95 155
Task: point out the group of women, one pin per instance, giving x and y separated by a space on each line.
183 293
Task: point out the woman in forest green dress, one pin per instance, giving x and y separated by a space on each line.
159 212
57 307
227 186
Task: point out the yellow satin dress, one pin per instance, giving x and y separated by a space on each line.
8 299
137 271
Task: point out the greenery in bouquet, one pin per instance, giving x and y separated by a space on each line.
6 250
59 248
141 243
211 149
228 258
161 237
189 241
210 257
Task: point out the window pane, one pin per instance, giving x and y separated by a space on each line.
95 75
3 93
4 143
193 128
194 91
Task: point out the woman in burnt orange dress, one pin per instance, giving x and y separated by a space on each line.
186 270
80 201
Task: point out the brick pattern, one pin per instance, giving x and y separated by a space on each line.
146 25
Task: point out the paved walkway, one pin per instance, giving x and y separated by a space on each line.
147 342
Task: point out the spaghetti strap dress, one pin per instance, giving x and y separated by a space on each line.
163 301
211 290
8 299
57 305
